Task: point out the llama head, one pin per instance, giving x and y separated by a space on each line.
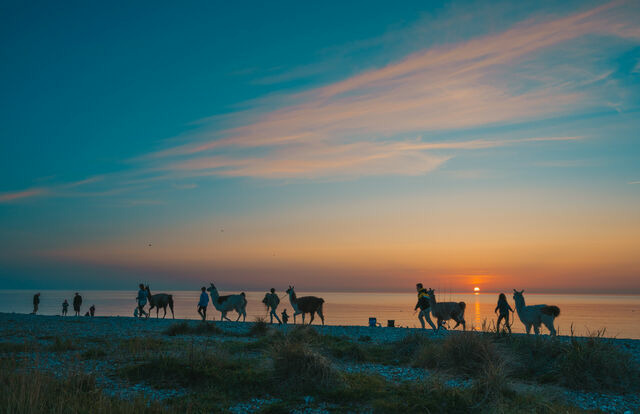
518 297
290 289
211 288
431 293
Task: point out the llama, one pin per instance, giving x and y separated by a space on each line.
306 304
160 300
228 302
443 311
535 314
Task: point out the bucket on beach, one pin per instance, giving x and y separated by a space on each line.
373 322
391 323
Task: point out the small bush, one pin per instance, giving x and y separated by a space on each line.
140 345
180 328
94 353
62 345
303 333
184 328
466 353
13 347
301 368
206 328
259 327
595 364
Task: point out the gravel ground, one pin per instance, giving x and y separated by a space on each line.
21 328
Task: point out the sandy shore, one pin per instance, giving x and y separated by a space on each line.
24 326
42 330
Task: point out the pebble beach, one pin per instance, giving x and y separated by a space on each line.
86 334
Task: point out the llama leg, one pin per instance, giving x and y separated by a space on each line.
528 326
536 329
157 312
165 312
321 315
313 314
548 322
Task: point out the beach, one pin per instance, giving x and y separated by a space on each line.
107 348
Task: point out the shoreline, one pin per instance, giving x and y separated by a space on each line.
378 334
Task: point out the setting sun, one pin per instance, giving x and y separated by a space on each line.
476 289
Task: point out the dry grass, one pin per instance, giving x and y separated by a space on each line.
186 328
29 392
301 368
259 327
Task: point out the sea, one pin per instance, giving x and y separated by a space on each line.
608 315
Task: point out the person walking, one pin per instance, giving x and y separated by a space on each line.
202 304
142 301
36 302
77 303
65 307
92 310
504 308
271 300
424 306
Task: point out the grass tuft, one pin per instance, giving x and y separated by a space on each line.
259 327
184 328
301 368
23 391
62 345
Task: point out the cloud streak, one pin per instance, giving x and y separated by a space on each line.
359 126
19 195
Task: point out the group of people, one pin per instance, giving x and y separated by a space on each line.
77 305
424 305
272 301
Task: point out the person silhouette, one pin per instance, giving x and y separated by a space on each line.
423 304
65 307
271 300
36 302
77 303
203 303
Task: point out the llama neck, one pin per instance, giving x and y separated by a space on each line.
293 299
520 305
432 300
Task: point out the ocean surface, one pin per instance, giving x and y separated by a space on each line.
618 315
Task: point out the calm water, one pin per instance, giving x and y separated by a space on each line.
619 314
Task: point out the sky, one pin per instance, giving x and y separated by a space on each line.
358 146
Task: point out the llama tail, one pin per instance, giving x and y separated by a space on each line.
551 310
462 305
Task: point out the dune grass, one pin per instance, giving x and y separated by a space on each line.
186 328
23 391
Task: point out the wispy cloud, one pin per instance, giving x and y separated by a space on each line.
19 195
358 126
634 182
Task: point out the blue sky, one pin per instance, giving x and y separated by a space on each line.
334 145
